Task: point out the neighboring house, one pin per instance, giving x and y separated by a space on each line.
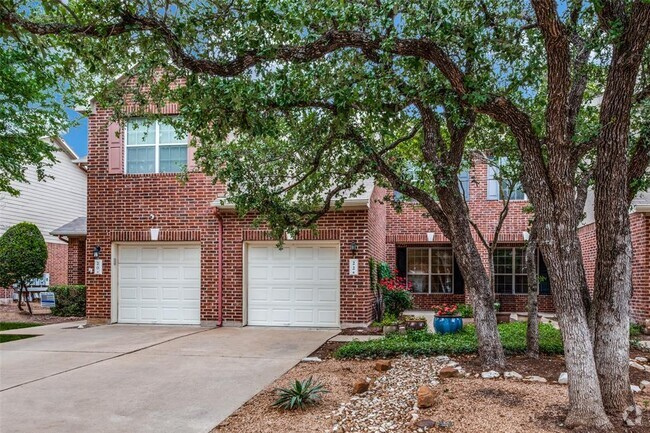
640 227
208 266
50 204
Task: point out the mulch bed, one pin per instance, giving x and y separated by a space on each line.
10 313
361 330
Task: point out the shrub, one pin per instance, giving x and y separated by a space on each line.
423 343
384 271
635 329
70 301
23 255
299 395
465 310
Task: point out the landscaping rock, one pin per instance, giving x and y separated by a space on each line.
644 384
563 379
535 379
642 359
447 372
383 365
360 386
490 374
512 375
312 359
425 423
635 388
636 365
426 397
452 364
442 359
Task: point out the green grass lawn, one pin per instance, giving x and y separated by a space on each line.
422 343
6 326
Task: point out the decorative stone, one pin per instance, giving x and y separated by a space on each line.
535 379
512 375
446 372
636 365
383 365
644 384
642 359
563 379
425 423
635 388
426 397
360 386
442 359
490 374
312 359
452 364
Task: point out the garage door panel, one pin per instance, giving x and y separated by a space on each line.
284 287
159 284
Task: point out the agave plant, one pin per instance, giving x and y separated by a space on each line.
300 394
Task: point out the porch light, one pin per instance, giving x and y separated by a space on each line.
431 236
154 233
526 235
354 246
96 251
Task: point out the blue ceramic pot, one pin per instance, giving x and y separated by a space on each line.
447 324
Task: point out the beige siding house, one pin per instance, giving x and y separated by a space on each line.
50 204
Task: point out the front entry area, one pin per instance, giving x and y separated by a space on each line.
159 284
296 286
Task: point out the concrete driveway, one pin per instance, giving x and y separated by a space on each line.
122 378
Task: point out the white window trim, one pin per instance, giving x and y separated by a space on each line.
430 274
156 144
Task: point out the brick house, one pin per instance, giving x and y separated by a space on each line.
159 251
640 227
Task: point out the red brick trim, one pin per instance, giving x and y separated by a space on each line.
165 235
152 108
303 235
515 237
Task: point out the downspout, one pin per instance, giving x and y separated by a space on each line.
220 268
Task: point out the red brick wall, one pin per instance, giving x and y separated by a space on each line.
57 263
119 207
77 261
410 228
640 226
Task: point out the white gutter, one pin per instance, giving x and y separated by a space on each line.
641 208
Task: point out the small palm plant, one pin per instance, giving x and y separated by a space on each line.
301 394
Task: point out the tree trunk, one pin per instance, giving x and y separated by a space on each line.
477 281
532 326
560 245
20 297
26 292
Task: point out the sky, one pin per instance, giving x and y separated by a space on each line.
77 137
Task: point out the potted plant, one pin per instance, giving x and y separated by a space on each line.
501 316
413 323
447 320
390 324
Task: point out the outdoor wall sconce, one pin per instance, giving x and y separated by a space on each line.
96 251
431 236
525 235
354 247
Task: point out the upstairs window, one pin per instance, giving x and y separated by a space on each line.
499 189
154 148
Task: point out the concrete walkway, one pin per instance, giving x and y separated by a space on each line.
122 378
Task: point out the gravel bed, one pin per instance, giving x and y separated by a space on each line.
390 405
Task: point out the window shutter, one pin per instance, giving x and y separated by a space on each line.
401 262
544 286
459 281
191 165
492 183
115 149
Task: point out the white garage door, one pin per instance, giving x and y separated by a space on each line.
159 284
295 286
